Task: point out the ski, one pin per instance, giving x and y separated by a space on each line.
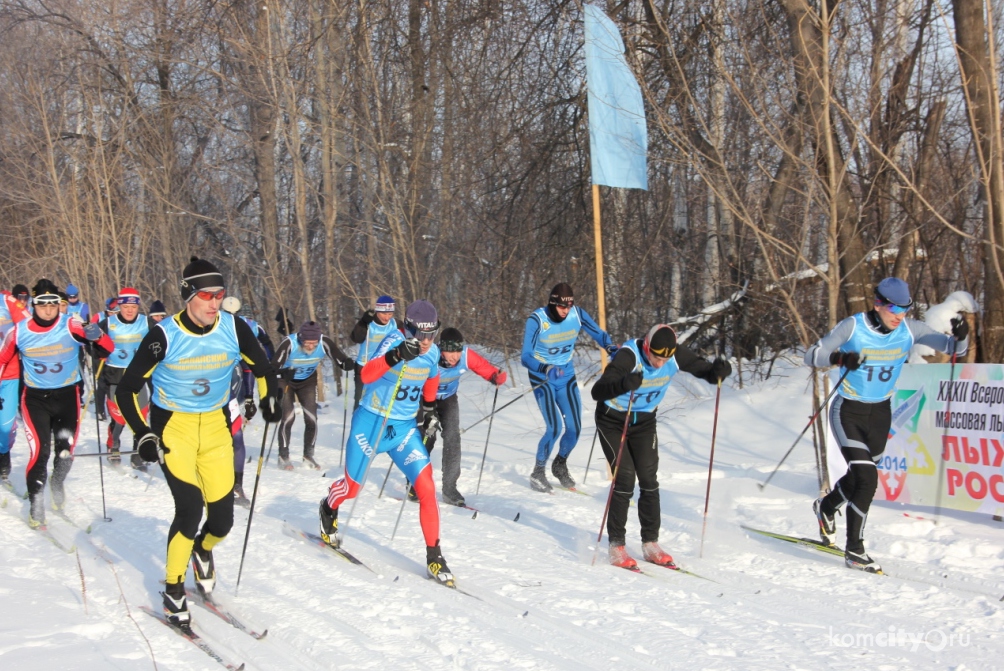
43 530
574 490
804 542
314 539
66 518
222 612
191 636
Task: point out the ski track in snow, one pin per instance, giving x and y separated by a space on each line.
535 601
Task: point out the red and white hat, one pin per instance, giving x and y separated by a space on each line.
127 296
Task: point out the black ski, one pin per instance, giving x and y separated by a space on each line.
222 612
191 636
314 539
804 542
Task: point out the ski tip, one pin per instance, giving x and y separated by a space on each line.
516 519
475 515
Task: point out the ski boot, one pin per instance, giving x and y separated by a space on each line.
137 462
436 566
861 562
329 524
240 498
204 568
827 523
452 497
285 464
308 461
656 555
176 606
538 479
5 466
36 513
412 494
102 417
559 468
58 495
114 457
620 558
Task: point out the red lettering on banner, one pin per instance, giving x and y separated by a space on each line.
985 450
997 488
971 452
976 486
947 442
998 453
954 480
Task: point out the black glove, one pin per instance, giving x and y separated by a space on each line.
432 425
720 369
287 374
271 408
93 332
368 317
632 381
848 360
149 447
347 365
960 328
406 351
249 409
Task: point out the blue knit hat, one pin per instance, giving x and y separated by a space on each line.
385 304
72 291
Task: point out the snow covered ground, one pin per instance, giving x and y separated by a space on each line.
540 603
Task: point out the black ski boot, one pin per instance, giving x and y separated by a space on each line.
284 463
538 479
861 562
827 524
176 606
329 524
240 498
137 462
204 568
436 566
5 466
453 497
559 468
309 462
412 495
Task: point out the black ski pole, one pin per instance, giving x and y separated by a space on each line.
385 478
811 420
948 412
590 459
522 394
489 434
281 421
404 499
254 497
345 416
711 465
613 481
101 466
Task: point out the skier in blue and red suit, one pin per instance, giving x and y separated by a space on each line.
402 375
12 310
548 344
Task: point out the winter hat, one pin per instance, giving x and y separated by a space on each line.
128 296
660 341
199 274
157 308
112 305
72 291
451 340
44 289
385 304
231 304
421 316
562 295
63 298
309 331
19 289
894 291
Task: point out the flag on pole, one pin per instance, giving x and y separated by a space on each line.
618 139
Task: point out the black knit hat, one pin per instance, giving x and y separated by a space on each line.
199 274
451 340
18 290
562 295
44 287
157 308
309 330
660 341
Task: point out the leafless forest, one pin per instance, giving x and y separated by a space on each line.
324 152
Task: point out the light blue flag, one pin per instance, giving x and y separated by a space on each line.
618 139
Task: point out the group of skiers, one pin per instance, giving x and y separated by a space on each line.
184 385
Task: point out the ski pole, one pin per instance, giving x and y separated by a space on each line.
103 454
345 416
254 496
101 466
522 394
711 464
948 410
811 420
268 456
617 463
483 456
385 478
590 459
376 446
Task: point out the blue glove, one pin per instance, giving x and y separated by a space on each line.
611 349
93 332
554 373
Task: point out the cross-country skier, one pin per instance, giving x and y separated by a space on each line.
101 388
639 375
12 311
297 359
77 306
455 359
50 405
157 312
373 326
126 329
401 375
548 345
871 348
190 359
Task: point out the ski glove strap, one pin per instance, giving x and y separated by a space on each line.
149 447
271 409
960 328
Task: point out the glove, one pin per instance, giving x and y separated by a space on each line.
498 379
271 409
632 381
347 365
149 447
287 374
960 328
721 369
848 360
406 351
368 317
432 425
249 409
611 349
554 373
93 332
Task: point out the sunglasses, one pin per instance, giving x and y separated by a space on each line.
664 353
451 346
897 309
423 336
47 300
210 295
